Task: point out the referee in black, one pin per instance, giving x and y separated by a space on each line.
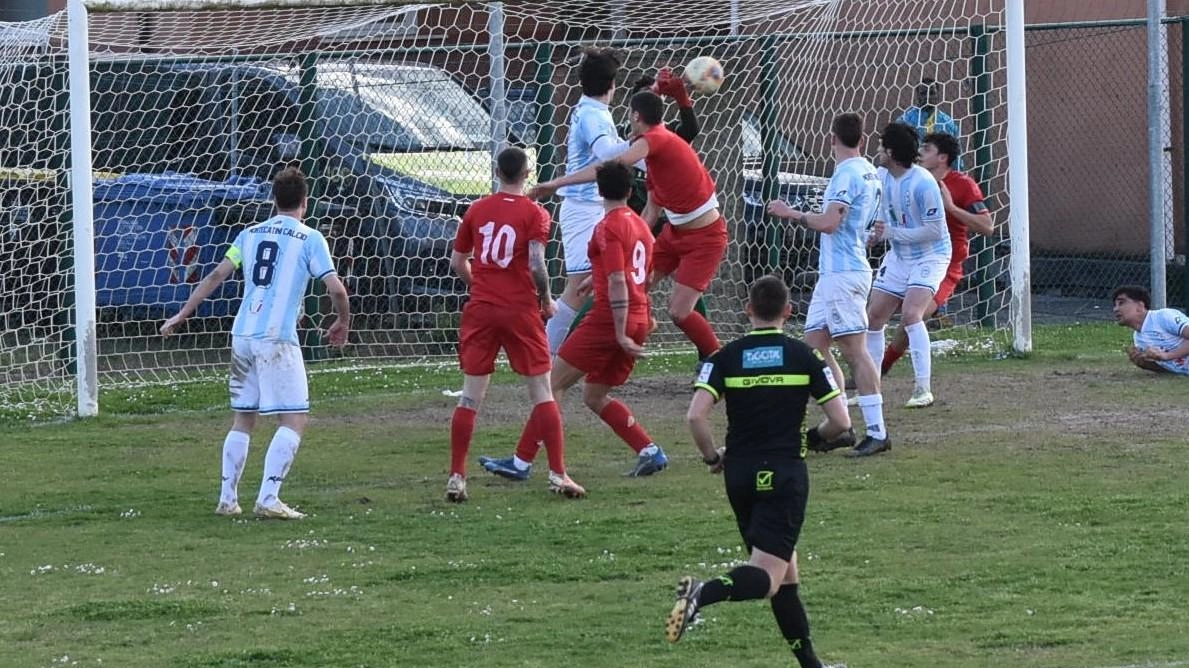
767 379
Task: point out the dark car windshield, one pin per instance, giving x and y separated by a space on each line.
384 114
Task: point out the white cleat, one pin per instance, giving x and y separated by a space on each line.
920 399
564 485
456 488
277 511
228 509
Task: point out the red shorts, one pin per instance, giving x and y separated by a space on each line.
592 348
692 256
519 331
953 275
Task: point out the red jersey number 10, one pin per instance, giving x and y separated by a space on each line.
497 245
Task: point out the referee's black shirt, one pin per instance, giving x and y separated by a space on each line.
767 379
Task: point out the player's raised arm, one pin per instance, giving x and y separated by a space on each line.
213 280
634 153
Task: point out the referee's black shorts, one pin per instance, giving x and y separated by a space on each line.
768 496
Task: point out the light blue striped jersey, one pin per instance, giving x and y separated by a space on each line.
913 202
279 257
589 121
854 184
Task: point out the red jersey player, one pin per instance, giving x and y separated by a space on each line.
605 345
500 254
692 244
964 209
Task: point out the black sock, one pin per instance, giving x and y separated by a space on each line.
794 625
745 583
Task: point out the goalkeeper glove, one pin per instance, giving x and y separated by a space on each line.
673 86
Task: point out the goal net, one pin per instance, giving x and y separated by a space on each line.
393 111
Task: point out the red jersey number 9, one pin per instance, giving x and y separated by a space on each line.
639 263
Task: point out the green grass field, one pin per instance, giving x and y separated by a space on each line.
1035 517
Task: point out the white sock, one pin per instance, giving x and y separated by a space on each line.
650 450
872 407
235 454
520 464
280 456
922 359
875 345
559 325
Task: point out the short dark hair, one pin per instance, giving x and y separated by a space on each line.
510 164
946 144
596 72
902 140
615 180
1134 293
768 297
650 106
848 128
289 189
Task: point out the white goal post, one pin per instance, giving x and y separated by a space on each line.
158 125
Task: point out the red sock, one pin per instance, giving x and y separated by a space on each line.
546 419
462 427
698 330
530 440
889 359
620 419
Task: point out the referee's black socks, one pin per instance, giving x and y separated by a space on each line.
794 625
745 583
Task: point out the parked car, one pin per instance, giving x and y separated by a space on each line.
402 148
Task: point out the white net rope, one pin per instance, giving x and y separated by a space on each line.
388 109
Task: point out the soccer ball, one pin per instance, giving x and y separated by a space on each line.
705 74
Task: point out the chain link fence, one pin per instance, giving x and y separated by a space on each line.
1088 165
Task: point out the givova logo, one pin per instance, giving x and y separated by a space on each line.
759 358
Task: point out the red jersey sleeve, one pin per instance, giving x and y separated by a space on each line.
540 231
612 245
967 193
464 242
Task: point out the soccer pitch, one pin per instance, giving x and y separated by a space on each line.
1034 517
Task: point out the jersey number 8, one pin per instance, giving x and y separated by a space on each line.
266 263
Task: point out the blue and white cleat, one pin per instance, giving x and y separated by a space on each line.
646 465
505 468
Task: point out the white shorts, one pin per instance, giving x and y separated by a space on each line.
268 377
839 303
896 276
578 219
